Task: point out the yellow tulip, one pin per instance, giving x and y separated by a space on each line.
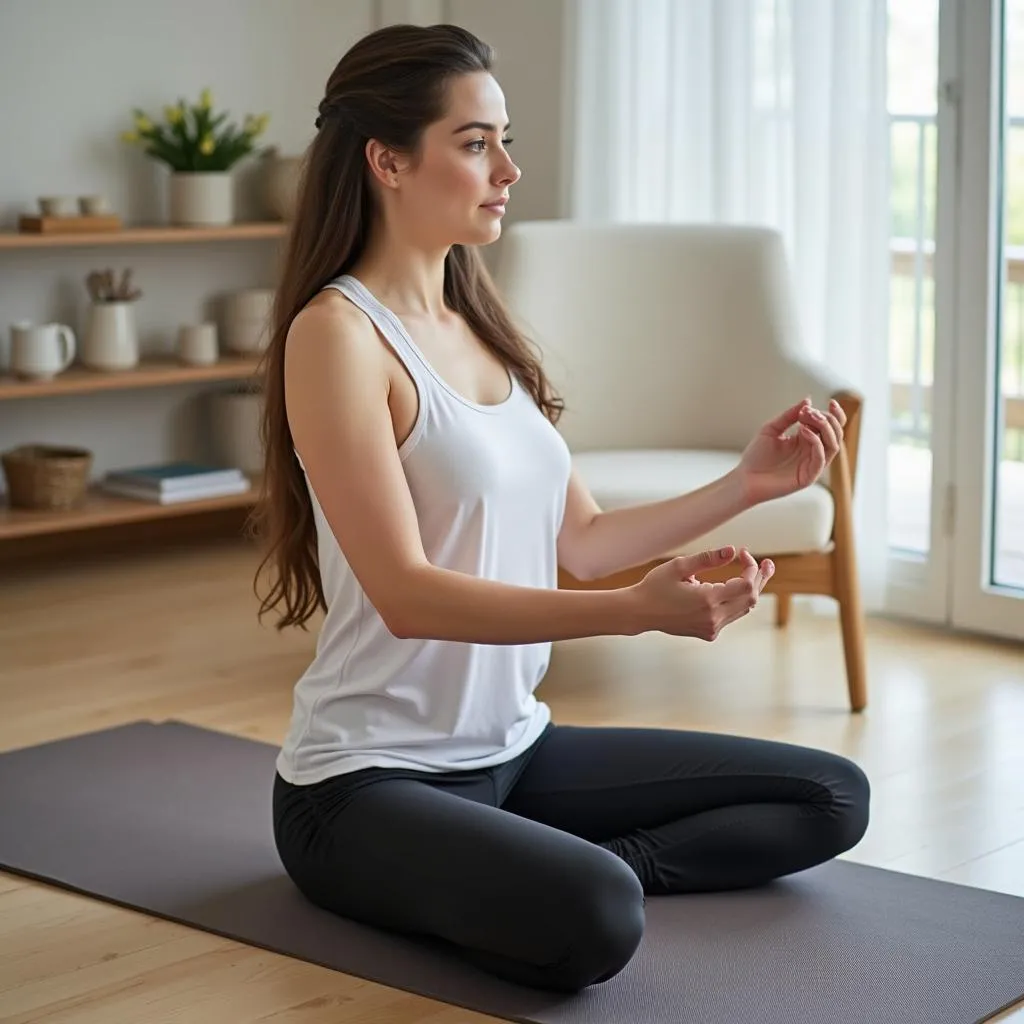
129 137
206 147
205 100
143 123
255 125
173 114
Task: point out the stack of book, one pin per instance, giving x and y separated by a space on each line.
168 483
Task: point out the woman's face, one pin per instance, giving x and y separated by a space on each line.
454 192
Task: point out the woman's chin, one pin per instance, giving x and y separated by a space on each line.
490 229
481 234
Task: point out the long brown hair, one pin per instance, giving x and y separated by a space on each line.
389 86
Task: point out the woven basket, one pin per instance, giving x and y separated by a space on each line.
45 476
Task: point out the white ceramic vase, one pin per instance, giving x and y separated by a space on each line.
281 183
202 198
110 341
247 314
235 419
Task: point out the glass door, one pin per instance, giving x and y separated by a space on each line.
956 338
923 125
987 591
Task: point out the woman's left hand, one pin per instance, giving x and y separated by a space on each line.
774 465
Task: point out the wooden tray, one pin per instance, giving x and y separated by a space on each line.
37 225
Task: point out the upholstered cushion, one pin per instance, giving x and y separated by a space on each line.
796 523
661 335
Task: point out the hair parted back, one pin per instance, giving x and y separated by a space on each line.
389 86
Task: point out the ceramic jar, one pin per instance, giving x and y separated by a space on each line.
246 327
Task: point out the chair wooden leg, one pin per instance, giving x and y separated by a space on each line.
782 607
851 617
846 585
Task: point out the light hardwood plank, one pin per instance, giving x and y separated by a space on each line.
143 234
148 373
99 508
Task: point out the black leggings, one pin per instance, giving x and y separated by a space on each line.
536 870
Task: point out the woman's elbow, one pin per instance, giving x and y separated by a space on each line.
398 618
578 568
399 609
402 627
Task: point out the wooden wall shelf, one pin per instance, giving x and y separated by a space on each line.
101 509
144 235
24 529
149 373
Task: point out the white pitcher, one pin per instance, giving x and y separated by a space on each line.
41 351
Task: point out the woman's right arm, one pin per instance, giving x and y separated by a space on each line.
336 383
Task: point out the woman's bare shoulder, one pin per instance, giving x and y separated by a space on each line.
331 317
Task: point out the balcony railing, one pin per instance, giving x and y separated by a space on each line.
912 319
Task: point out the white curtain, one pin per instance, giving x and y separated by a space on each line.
761 112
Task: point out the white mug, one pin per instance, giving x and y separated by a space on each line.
41 351
197 344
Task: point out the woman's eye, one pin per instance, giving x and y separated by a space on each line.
479 145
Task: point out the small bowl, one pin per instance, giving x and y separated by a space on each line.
93 206
58 206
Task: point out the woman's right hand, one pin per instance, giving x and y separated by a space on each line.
674 601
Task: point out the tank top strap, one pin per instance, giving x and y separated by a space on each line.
385 321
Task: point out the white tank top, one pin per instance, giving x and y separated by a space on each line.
489 485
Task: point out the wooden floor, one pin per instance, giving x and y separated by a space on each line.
87 646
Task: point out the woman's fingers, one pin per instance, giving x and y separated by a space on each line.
816 452
746 601
822 425
838 419
764 573
747 587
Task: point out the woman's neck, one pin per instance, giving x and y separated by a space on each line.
405 277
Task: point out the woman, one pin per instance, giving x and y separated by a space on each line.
419 494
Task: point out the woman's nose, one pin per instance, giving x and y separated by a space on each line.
508 173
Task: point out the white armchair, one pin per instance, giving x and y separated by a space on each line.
671 345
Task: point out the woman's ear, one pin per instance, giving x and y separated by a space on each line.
384 163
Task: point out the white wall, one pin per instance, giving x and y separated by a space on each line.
528 38
70 72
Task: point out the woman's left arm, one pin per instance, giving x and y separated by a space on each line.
593 543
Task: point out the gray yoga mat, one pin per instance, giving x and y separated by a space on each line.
174 820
